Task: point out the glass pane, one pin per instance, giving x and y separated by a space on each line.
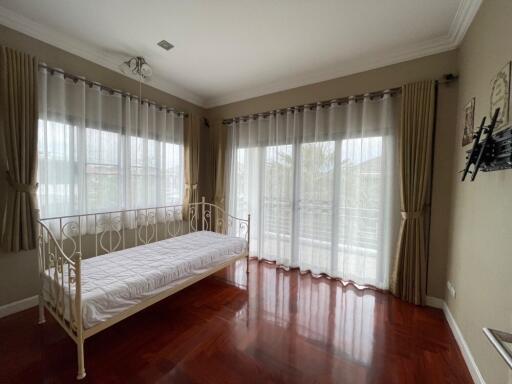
173 178
245 190
241 174
316 205
102 173
277 202
360 208
57 176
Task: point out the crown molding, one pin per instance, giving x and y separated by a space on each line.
86 51
463 18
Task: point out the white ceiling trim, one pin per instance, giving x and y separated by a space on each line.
80 48
462 20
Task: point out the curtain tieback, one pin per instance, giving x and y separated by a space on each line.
411 214
194 186
20 187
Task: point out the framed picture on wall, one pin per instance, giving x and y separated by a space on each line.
469 122
500 95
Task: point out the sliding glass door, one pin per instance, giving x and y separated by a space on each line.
325 203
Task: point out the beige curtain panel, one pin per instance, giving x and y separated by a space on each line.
220 151
18 158
408 280
192 142
219 140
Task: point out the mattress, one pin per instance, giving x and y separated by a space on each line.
114 282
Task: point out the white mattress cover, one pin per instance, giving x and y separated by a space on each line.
116 281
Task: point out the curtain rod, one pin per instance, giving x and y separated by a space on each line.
90 83
448 78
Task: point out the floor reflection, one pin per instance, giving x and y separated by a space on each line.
308 328
322 313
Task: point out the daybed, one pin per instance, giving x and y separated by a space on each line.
98 269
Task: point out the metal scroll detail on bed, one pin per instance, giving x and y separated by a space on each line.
64 241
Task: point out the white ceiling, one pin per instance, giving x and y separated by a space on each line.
229 50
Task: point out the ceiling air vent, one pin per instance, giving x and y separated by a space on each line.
165 45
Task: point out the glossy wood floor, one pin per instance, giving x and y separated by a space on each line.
292 329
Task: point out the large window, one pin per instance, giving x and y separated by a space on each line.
102 152
95 172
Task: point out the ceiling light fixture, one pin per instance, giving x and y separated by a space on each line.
137 66
165 45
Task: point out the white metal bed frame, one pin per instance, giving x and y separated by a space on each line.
60 256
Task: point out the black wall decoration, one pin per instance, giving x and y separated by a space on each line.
494 153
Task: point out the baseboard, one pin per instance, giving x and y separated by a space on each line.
434 302
18 306
464 348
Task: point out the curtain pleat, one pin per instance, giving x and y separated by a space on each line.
219 139
19 134
192 149
417 123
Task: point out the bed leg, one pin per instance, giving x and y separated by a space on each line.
248 296
41 310
80 355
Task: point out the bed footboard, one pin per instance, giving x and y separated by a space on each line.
60 285
216 219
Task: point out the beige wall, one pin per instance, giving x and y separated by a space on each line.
480 262
431 67
18 272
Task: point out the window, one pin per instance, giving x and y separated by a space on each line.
87 173
101 151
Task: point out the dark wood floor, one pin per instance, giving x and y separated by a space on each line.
292 329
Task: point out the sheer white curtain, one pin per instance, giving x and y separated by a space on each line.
320 184
98 151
